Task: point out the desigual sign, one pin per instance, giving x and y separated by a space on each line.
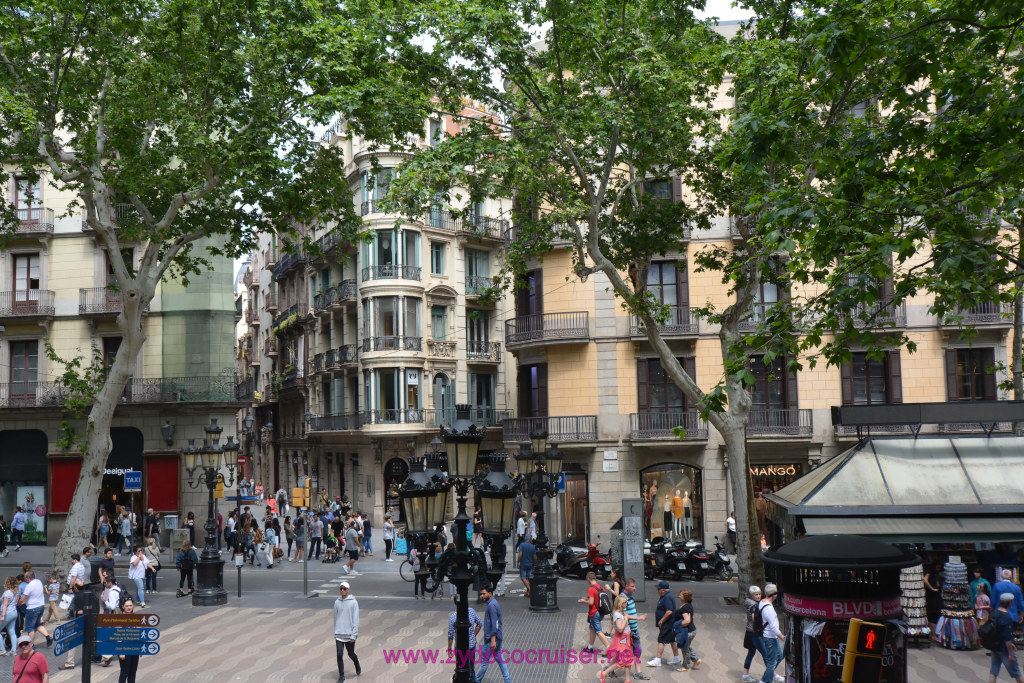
784 470
823 608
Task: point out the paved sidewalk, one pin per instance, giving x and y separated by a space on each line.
274 636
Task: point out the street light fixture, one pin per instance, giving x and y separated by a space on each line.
542 469
424 497
167 431
202 464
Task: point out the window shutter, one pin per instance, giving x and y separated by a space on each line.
689 364
952 394
846 382
643 381
989 359
542 389
538 287
895 379
683 283
677 189
792 398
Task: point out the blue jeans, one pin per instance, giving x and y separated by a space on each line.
772 657
489 655
140 590
8 625
758 648
151 580
1001 659
367 546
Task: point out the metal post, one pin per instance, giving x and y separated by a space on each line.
210 571
462 578
305 565
88 647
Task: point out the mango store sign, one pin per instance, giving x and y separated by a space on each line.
823 608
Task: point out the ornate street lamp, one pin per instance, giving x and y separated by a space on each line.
464 565
167 431
542 469
498 490
203 465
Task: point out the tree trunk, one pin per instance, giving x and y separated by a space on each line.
748 534
81 519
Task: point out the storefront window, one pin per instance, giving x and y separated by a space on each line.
673 497
23 463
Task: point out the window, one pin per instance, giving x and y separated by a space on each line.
476 213
412 317
660 189
668 282
26 199
478 263
381 184
387 394
111 345
412 389
436 132
437 258
481 391
366 324
325 279
386 323
529 295
385 248
438 322
869 381
437 211
970 375
24 368
774 386
532 382
444 395
26 281
411 248
478 325
658 393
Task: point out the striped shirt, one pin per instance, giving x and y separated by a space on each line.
474 620
634 625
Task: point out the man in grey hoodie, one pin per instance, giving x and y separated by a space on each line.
346 629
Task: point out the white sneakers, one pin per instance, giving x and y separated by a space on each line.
676 661
779 678
654 662
346 569
747 678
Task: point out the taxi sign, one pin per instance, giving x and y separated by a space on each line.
138 620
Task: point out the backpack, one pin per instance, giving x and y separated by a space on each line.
988 635
187 563
604 603
257 535
759 621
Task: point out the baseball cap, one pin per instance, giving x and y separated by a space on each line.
24 638
344 584
663 584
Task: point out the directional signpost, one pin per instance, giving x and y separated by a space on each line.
127 634
68 635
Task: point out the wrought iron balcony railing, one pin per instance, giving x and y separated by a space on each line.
34 219
679 322
341 422
26 303
477 285
779 422
483 351
481 417
560 429
572 326
652 426
31 394
93 300
391 272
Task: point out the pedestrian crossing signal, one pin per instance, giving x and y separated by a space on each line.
865 643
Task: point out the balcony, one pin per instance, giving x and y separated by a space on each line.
31 394
989 315
119 214
369 207
292 380
878 315
32 303
680 323
249 278
317 365
268 395
346 291
270 303
391 272
571 327
322 300
286 319
561 429
197 389
393 416
270 347
476 286
270 258
34 219
438 348
245 389
99 301
483 351
779 422
287 262
481 417
659 426
343 422
343 355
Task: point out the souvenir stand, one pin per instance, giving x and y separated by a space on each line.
914 611
957 629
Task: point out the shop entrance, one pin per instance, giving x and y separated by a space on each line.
575 503
396 471
673 500
125 456
23 480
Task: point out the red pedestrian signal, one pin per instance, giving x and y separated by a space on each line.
864 646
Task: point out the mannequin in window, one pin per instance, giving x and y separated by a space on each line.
687 516
677 515
667 507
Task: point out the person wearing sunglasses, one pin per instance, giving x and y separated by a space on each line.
30 666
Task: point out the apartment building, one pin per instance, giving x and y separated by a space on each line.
56 286
362 351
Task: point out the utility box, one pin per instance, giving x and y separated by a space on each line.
176 540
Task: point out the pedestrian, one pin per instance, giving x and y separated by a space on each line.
299 528
29 666
526 558
125 529
520 528
592 601
1006 655
33 596
282 502
151 528
220 535
685 630
75 609
289 538
53 594
620 653
88 570
229 528
9 614
105 565
478 529
3 538
111 595
102 530
1007 586
185 562
982 604
367 534
420 574
346 629
771 635
476 623
338 526
617 583
389 538
269 542
129 663
316 531
152 553
629 587
17 527
978 582
352 548
751 642
664 614
933 597
190 524
137 573
730 529
492 637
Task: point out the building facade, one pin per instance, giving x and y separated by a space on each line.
58 288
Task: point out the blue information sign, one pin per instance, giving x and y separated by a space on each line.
561 481
132 482
126 647
62 646
69 629
128 633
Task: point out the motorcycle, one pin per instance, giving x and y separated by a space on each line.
697 560
720 565
596 561
573 559
664 559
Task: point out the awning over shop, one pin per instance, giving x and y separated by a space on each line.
952 489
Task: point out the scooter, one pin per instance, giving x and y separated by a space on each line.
599 563
697 561
720 565
665 560
568 557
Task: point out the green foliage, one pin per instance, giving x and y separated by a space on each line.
79 382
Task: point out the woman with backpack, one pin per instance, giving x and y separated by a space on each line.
186 562
102 531
752 644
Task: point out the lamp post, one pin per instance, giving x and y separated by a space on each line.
425 497
498 491
202 465
541 468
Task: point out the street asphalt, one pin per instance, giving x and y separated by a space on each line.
275 632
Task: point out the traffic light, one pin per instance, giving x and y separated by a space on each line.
864 646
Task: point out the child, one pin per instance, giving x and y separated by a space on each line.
982 604
53 590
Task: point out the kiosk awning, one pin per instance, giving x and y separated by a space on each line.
919 529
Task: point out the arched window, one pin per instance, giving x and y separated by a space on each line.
396 471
